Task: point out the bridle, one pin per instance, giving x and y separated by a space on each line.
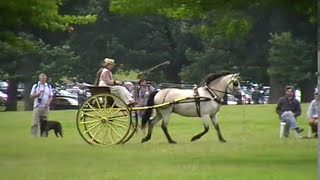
213 91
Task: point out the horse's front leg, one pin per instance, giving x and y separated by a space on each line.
214 119
205 119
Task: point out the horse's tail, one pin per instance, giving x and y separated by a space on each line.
147 114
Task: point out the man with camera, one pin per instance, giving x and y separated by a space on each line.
42 95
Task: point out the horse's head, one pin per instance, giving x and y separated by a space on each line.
233 87
223 83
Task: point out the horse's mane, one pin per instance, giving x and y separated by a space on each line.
213 76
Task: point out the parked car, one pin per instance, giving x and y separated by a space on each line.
65 93
231 99
4 86
266 94
3 96
61 103
20 90
3 101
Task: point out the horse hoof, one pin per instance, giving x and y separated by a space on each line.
173 142
222 140
194 138
144 140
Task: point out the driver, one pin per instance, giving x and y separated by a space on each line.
106 79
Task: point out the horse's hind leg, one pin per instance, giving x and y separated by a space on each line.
216 126
205 119
165 121
150 128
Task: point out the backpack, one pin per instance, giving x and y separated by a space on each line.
49 86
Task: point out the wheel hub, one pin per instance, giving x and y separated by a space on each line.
104 120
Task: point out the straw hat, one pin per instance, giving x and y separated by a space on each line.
108 61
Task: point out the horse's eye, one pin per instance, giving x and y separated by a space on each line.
235 83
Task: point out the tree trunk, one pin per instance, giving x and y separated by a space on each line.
307 90
28 102
276 90
277 24
12 96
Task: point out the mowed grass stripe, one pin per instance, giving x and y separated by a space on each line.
253 150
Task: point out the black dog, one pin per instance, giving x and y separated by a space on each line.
46 126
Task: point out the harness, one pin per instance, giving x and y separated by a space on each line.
197 98
212 93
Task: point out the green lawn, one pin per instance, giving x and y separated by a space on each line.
254 150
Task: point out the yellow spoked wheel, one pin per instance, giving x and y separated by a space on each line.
104 119
133 128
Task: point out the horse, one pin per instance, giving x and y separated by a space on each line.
205 105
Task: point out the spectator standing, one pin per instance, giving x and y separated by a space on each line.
256 95
42 95
297 94
141 95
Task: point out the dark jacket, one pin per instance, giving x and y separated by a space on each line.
256 95
292 105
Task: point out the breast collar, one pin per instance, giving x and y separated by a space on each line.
213 94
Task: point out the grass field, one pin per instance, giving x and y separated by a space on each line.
254 150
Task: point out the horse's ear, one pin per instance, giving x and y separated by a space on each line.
235 76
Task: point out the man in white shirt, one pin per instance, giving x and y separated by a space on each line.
42 95
297 95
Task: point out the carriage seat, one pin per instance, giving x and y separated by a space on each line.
98 89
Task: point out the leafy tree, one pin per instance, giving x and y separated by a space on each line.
18 14
18 51
229 16
215 57
137 43
292 61
55 61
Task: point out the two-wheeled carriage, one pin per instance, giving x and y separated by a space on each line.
105 119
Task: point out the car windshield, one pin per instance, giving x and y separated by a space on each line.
3 84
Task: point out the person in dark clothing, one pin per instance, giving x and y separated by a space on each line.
256 95
289 109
